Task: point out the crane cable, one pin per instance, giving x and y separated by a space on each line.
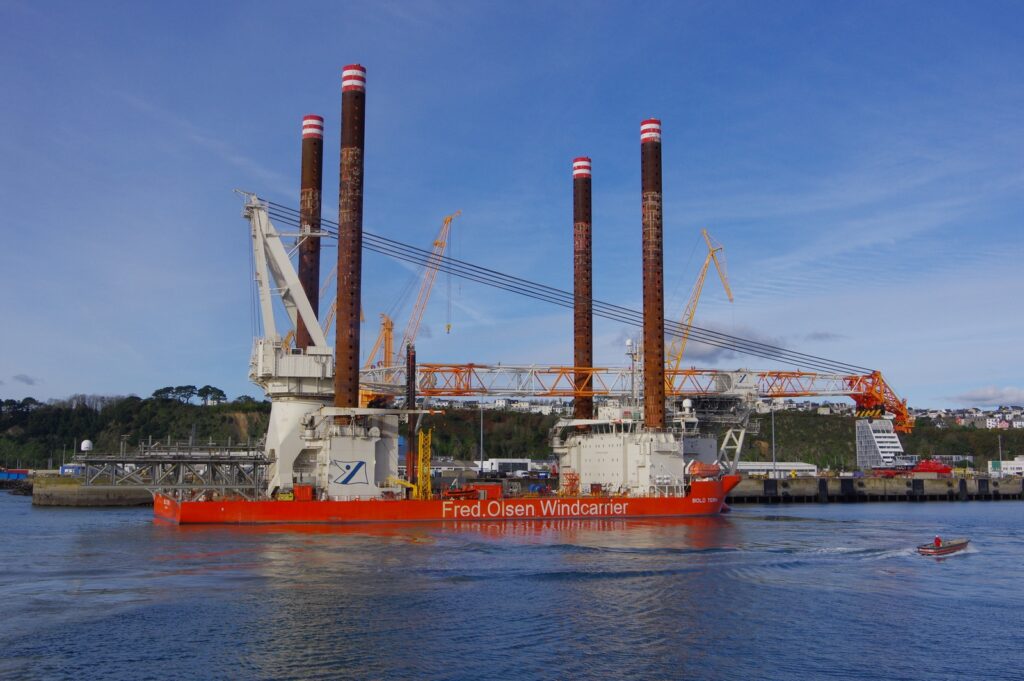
418 256
401 251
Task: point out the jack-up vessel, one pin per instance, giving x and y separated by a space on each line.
332 460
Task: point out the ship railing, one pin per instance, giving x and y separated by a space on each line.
363 497
667 490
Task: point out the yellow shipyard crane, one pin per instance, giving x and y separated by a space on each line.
382 352
384 345
429 275
674 355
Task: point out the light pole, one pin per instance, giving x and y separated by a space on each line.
481 439
775 471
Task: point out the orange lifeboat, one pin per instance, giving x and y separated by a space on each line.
699 469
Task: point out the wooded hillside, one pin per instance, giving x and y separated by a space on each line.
32 432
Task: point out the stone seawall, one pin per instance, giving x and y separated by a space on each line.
82 495
824 490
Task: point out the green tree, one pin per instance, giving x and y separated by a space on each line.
209 394
185 393
165 393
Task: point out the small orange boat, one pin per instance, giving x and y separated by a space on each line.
943 547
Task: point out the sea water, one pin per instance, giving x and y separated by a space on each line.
782 592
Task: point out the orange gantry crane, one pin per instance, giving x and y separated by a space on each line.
869 391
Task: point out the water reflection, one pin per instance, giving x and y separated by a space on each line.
536 583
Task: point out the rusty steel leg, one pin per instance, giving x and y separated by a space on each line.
583 320
350 237
309 219
654 279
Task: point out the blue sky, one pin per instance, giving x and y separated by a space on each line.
862 163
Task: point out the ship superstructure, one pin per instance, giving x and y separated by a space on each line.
615 454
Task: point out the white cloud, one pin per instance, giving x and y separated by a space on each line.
991 395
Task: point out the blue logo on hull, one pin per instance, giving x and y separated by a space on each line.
352 473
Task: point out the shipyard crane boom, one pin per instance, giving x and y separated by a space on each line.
869 391
674 356
382 353
333 311
431 266
383 345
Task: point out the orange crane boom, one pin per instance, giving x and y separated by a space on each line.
868 391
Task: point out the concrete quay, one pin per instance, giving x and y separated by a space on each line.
826 490
91 495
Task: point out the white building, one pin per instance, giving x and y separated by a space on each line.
878 446
998 469
507 465
781 469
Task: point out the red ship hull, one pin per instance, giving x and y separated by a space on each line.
707 497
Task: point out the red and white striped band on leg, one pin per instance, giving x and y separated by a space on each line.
353 77
581 167
313 126
650 130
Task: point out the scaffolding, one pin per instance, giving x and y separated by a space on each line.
185 473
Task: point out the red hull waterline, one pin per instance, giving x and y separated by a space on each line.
707 497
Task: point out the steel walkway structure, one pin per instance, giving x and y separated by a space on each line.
183 473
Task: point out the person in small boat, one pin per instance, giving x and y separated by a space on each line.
938 541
